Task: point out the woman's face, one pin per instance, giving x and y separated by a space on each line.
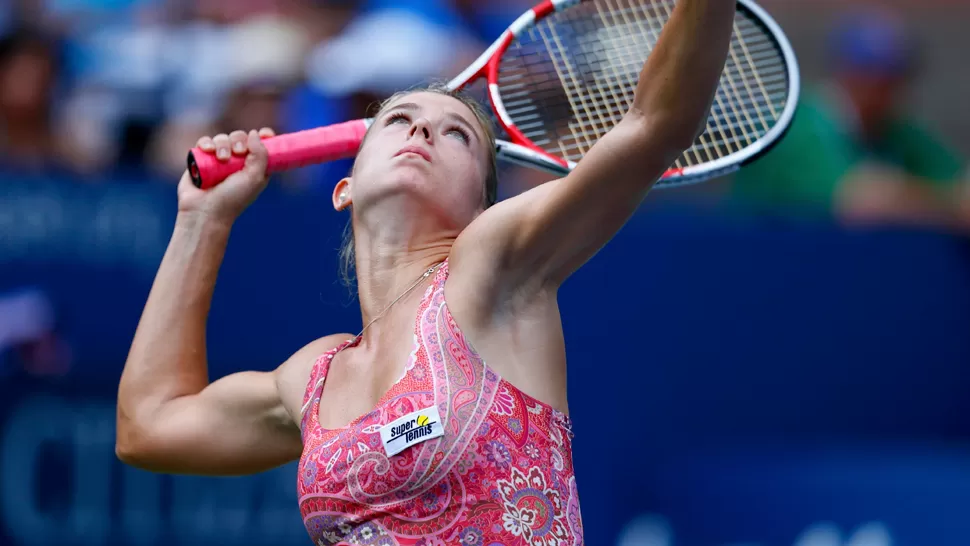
427 146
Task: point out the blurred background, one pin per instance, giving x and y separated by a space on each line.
782 360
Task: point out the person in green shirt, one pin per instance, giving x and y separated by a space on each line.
852 152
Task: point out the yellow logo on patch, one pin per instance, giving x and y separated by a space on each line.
423 420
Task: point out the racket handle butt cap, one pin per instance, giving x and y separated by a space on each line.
207 171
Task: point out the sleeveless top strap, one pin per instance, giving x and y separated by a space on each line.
318 374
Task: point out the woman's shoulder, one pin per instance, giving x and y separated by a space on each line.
302 361
293 375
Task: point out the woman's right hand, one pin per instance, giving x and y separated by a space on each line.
226 201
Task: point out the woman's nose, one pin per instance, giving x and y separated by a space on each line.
423 126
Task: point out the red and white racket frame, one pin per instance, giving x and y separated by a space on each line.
522 151
342 140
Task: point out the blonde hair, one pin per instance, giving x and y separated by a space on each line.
347 256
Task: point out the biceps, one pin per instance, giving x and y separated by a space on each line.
237 425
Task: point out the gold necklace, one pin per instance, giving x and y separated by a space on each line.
423 276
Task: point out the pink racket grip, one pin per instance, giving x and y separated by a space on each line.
289 151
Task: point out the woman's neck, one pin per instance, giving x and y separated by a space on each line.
387 267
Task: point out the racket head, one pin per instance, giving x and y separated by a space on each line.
564 74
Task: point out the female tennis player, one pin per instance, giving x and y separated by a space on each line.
444 421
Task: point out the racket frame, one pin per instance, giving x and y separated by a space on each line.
522 151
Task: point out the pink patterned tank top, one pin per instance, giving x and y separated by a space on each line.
500 474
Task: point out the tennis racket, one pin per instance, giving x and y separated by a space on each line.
564 74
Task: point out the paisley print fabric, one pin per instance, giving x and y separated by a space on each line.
501 474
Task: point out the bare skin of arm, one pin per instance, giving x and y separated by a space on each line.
170 418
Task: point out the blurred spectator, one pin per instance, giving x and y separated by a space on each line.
29 63
851 149
390 46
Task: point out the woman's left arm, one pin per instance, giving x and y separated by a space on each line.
540 237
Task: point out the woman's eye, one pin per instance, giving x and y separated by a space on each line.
397 118
460 134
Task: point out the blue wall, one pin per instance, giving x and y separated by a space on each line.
732 379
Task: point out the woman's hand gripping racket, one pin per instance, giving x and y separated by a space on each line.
564 74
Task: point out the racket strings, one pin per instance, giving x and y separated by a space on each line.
569 79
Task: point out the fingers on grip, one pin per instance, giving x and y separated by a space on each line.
206 143
238 140
256 159
223 146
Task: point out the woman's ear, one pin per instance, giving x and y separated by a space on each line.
341 195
